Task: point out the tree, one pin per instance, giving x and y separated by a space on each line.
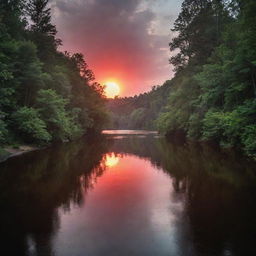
82 67
28 122
40 16
42 31
198 28
3 129
213 94
12 20
28 73
45 95
61 123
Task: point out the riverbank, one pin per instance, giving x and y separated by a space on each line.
11 151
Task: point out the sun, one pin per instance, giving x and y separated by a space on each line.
112 89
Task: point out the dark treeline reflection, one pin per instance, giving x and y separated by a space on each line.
217 189
34 185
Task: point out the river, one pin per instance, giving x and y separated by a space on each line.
128 193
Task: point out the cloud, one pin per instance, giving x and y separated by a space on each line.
121 40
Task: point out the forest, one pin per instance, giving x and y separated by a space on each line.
139 111
212 96
45 95
75 179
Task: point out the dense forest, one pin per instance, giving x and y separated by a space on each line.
139 111
212 96
45 95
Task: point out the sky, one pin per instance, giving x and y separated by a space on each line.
124 41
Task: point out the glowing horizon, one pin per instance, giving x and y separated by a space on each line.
130 45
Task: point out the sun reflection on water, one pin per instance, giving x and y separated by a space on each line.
111 160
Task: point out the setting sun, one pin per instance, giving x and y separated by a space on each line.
112 89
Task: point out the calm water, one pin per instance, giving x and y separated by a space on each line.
128 195
128 132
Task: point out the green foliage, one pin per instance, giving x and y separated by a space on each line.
222 126
140 111
60 123
248 140
180 105
58 79
28 122
138 117
3 128
45 95
198 26
166 122
195 126
214 90
29 73
40 15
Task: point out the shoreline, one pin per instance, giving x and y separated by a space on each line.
9 152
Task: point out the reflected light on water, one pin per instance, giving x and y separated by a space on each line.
127 196
111 160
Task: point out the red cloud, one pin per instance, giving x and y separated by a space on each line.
116 40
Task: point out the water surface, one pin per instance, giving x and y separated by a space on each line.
128 195
128 132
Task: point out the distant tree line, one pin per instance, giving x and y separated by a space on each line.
139 111
213 94
45 95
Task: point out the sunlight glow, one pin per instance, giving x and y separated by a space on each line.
111 160
112 89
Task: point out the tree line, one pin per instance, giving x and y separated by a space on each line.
139 111
212 96
45 95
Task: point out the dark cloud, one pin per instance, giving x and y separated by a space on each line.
121 40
